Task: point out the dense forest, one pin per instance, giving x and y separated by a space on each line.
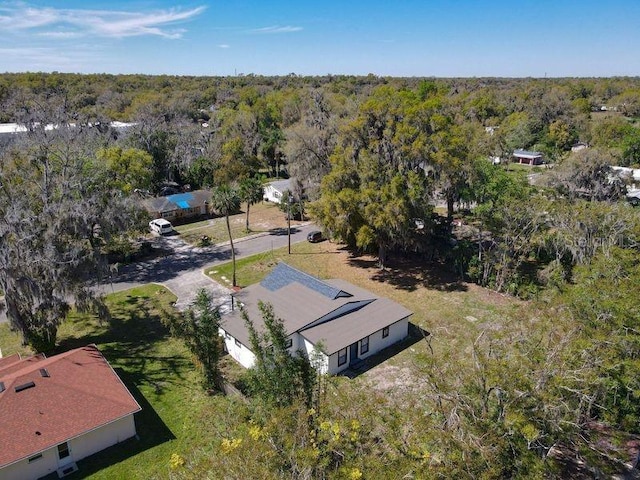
394 167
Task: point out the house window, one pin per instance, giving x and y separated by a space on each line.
35 457
288 343
364 345
63 450
385 332
238 343
227 336
342 357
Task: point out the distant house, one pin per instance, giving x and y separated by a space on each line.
349 322
576 147
58 410
527 157
630 173
273 191
180 206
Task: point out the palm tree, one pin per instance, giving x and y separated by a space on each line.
250 191
225 201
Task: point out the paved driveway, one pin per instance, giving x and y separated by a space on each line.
181 268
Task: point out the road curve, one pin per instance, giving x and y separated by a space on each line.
181 268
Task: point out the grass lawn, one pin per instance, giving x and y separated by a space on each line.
453 312
177 416
11 342
262 217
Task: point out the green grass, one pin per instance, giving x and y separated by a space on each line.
250 270
11 342
177 415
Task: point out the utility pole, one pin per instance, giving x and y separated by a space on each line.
289 220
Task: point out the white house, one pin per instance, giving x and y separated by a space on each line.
350 323
58 410
576 147
273 191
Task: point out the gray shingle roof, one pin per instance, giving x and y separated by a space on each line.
284 275
282 185
178 201
526 154
319 310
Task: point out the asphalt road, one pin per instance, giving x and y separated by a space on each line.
181 268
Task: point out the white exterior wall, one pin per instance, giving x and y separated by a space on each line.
101 438
272 194
397 332
79 448
23 470
307 347
240 353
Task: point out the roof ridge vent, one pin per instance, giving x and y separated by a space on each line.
44 373
2 389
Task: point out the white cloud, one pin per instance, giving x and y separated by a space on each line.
19 17
275 29
223 45
60 34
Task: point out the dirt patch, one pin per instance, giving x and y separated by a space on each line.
388 378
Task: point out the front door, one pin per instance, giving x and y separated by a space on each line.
353 353
64 455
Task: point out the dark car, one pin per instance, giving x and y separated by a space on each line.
315 236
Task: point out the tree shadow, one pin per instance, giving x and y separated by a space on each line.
411 273
415 334
127 340
280 231
169 265
151 432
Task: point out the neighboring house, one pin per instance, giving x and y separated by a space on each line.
9 130
576 147
180 206
627 173
58 410
527 157
350 323
273 191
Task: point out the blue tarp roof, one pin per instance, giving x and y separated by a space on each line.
181 199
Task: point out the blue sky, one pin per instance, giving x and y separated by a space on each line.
276 37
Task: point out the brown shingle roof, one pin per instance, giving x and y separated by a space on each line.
81 393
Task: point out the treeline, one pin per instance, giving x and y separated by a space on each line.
374 157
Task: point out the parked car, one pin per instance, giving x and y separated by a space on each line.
160 226
315 236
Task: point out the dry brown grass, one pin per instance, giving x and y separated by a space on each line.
262 217
454 313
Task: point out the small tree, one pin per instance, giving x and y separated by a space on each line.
225 200
199 328
278 377
251 192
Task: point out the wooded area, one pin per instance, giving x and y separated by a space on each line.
397 167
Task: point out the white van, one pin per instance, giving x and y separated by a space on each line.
160 226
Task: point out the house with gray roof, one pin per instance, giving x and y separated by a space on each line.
273 191
527 157
350 323
180 206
